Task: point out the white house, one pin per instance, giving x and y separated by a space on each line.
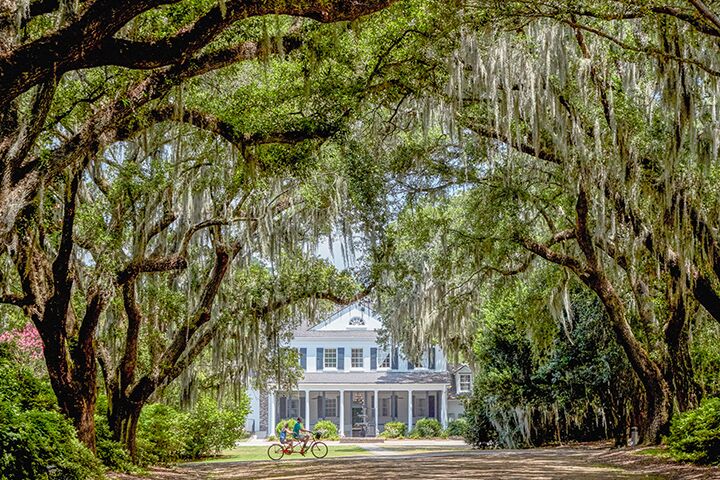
352 381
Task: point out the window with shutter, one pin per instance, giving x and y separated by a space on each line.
331 358
356 358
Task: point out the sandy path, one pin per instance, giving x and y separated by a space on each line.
535 464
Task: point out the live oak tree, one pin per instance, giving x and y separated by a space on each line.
105 34
611 103
74 84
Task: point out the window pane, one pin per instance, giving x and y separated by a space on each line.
331 407
464 382
330 358
384 359
356 359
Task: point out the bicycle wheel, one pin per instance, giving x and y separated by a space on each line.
319 450
276 451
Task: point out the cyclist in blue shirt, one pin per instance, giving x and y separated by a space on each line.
285 432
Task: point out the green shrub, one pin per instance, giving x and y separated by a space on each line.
166 435
36 441
211 428
394 430
328 429
161 435
695 434
42 444
457 428
427 428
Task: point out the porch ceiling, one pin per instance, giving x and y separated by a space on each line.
381 378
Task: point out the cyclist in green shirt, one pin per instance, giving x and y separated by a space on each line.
301 434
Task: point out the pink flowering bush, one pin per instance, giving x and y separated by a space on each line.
27 339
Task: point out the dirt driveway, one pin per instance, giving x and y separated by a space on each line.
536 464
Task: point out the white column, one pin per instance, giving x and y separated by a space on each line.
307 410
443 408
410 412
271 405
342 413
376 402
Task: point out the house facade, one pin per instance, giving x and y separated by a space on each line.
357 384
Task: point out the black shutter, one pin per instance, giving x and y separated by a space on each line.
303 358
341 358
395 359
431 358
283 408
320 360
373 358
320 408
394 406
411 366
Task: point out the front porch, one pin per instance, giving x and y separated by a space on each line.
360 412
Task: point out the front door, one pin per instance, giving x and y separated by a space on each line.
359 415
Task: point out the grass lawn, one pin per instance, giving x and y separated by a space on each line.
244 454
659 452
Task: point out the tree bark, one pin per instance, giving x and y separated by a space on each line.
657 392
679 370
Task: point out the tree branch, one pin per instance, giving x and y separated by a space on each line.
88 41
128 363
706 12
15 299
61 265
561 259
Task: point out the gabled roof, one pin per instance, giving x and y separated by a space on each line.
459 368
341 320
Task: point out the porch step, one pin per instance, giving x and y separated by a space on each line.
362 440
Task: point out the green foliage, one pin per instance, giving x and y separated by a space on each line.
36 441
558 388
166 435
458 427
210 429
427 428
161 434
394 430
328 429
695 434
478 429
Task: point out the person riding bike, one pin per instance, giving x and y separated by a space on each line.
301 434
284 434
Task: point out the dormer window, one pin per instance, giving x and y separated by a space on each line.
357 322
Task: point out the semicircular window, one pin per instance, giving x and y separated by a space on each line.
356 322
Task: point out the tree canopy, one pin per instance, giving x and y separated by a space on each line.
520 181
